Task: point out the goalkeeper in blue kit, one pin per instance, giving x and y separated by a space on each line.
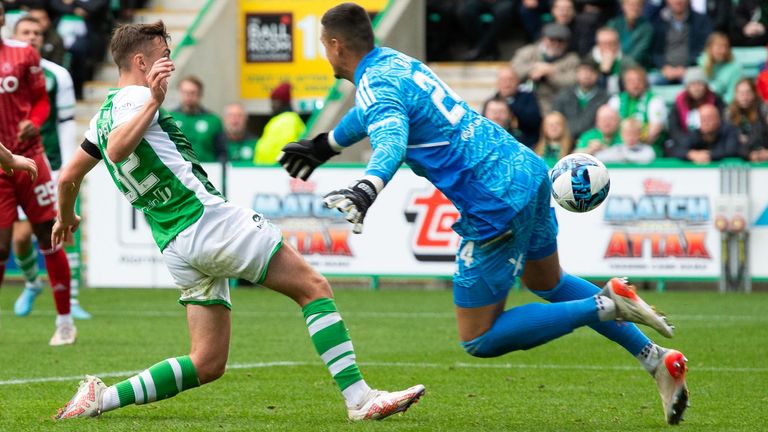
502 193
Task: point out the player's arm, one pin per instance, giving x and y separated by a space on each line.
301 158
35 80
10 162
388 131
70 179
134 120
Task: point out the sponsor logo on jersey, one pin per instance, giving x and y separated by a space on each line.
658 224
432 216
8 84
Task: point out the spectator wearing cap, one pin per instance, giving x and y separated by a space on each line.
607 54
750 23
522 103
686 116
605 133
240 141
635 32
547 64
579 103
679 35
712 140
285 126
202 128
637 101
564 13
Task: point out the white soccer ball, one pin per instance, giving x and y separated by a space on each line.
580 182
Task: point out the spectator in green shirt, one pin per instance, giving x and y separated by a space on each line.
605 133
240 141
285 126
721 69
635 32
202 128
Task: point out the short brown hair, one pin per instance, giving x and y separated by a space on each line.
25 18
350 22
129 39
194 80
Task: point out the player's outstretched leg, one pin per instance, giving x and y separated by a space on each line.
669 374
289 274
209 330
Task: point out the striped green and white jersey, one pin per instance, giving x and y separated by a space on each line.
162 177
58 131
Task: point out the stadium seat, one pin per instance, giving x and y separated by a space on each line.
752 59
667 92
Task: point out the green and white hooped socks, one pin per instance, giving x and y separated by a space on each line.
332 342
161 381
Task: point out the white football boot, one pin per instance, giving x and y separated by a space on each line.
86 402
65 334
380 404
630 307
670 379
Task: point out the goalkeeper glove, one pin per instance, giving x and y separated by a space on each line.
301 158
353 200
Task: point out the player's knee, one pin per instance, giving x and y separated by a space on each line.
318 287
209 367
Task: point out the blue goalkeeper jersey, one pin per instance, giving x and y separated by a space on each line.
411 116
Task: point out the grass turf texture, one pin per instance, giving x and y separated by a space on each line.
579 382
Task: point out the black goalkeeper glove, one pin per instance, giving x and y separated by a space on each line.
353 200
301 158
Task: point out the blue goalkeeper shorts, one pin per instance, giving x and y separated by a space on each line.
487 270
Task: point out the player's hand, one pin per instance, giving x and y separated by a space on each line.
20 163
62 230
157 78
301 158
353 200
27 130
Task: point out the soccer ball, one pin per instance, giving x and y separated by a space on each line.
580 182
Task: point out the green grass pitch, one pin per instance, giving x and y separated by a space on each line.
276 382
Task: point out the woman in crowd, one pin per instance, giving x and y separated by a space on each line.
555 139
748 114
719 66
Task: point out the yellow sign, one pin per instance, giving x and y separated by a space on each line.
280 41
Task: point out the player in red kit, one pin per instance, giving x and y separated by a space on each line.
24 107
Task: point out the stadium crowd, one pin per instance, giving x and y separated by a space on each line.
624 80
76 32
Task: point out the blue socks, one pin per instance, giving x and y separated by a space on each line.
572 288
533 324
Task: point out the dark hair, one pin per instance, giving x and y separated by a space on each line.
129 39
350 23
495 99
25 18
197 82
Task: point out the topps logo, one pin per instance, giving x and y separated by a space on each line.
8 84
433 215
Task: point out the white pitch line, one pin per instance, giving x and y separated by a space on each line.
458 365
387 315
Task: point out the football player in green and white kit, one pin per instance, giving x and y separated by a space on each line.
58 135
203 239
